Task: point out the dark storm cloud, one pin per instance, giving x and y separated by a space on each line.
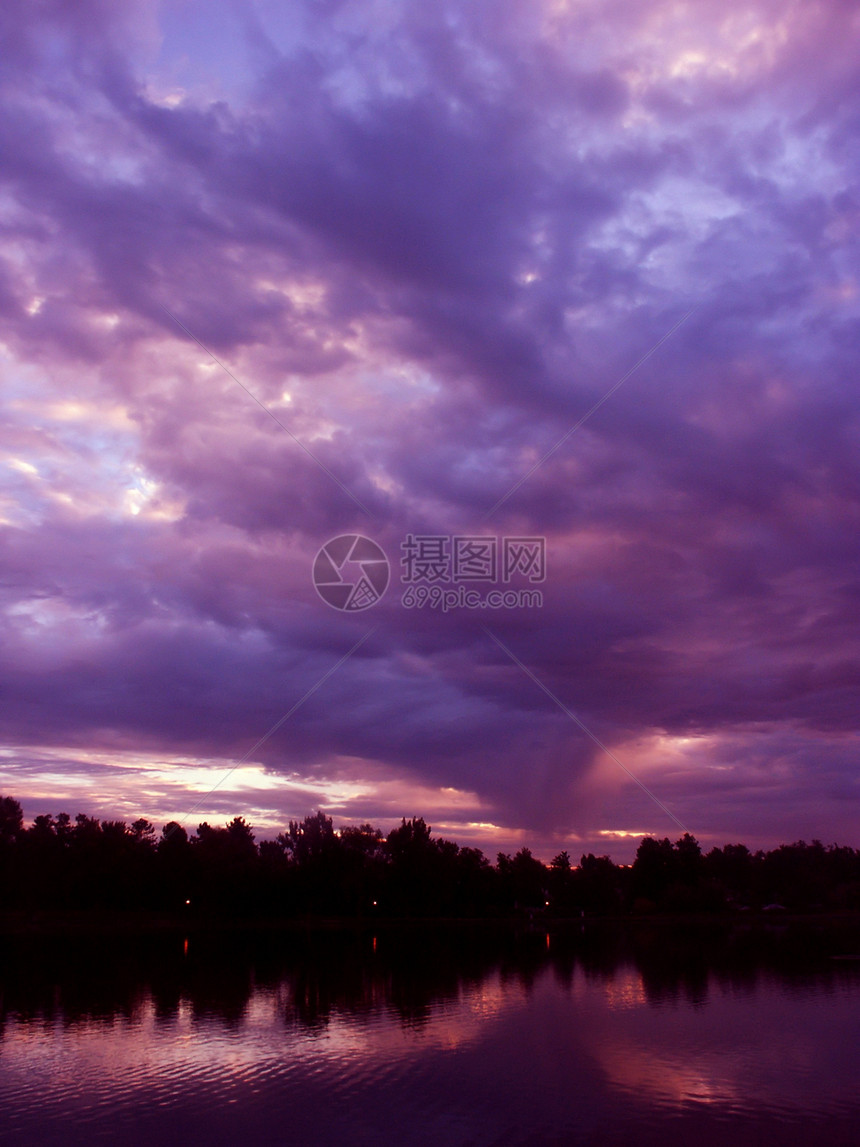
430 243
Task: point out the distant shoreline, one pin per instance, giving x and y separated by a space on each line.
87 923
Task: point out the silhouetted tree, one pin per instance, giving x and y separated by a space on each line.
314 868
11 829
653 869
11 821
598 885
414 865
524 880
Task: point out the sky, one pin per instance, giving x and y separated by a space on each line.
275 274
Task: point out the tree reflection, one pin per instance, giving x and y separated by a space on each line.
316 976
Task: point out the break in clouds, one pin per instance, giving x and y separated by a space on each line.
428 241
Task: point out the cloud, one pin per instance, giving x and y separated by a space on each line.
428 244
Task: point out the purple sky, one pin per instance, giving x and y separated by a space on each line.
429 238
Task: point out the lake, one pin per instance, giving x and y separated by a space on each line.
600 1034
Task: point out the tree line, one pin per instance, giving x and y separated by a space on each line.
60 863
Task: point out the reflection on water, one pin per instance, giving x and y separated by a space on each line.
605 1036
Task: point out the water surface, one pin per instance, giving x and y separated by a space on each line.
603 1036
